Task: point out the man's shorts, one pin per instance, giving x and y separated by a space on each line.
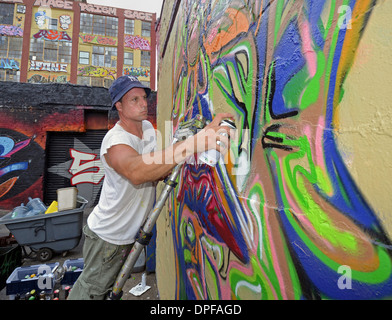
102 263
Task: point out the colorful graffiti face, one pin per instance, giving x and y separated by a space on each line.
283 219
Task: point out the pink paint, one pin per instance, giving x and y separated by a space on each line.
308 52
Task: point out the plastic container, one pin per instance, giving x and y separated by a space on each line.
48 233
36 206
19 212
70 276
66 198
20 280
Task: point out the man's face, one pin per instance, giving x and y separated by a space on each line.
133 105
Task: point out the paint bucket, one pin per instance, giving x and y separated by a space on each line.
66 198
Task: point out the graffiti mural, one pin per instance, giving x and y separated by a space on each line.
79 165
93 71
136 72
20 159
283 219
136 42
10 64
38 78
52 35
11 30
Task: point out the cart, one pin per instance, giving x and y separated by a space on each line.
45 234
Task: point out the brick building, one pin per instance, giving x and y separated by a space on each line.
62 41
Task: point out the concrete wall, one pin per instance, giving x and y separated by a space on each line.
301 210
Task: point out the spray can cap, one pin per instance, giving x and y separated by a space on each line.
228 122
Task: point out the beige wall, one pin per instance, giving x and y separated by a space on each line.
364 119
300 210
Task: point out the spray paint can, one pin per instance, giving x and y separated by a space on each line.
211 157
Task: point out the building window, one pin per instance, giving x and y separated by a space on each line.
129 27
98 56
145 60
104 56
7 13
108 82
146 29
53 51
10 47
95 81
84 81
84 57
99 25
50 51
86 23
15 47
128 58
65 52
37 49
20 8
52 24
111 26
9 75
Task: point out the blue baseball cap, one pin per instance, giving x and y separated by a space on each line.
122 85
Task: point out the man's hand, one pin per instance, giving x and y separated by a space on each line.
214 136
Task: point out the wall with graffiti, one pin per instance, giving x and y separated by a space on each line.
300 208
33 161
51 44
50 137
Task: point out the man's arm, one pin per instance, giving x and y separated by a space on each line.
133 166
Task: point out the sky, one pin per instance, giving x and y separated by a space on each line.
153 6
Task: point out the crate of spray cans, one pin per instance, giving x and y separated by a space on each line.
73 268
25 279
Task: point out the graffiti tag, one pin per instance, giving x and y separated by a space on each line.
11 30
137 72
9 64
85 168
92 71
89 38
48 66
52 35
136 42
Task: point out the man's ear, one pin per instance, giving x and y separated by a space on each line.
118 105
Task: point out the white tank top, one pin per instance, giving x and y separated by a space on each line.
123 207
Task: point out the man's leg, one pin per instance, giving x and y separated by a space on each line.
102 263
